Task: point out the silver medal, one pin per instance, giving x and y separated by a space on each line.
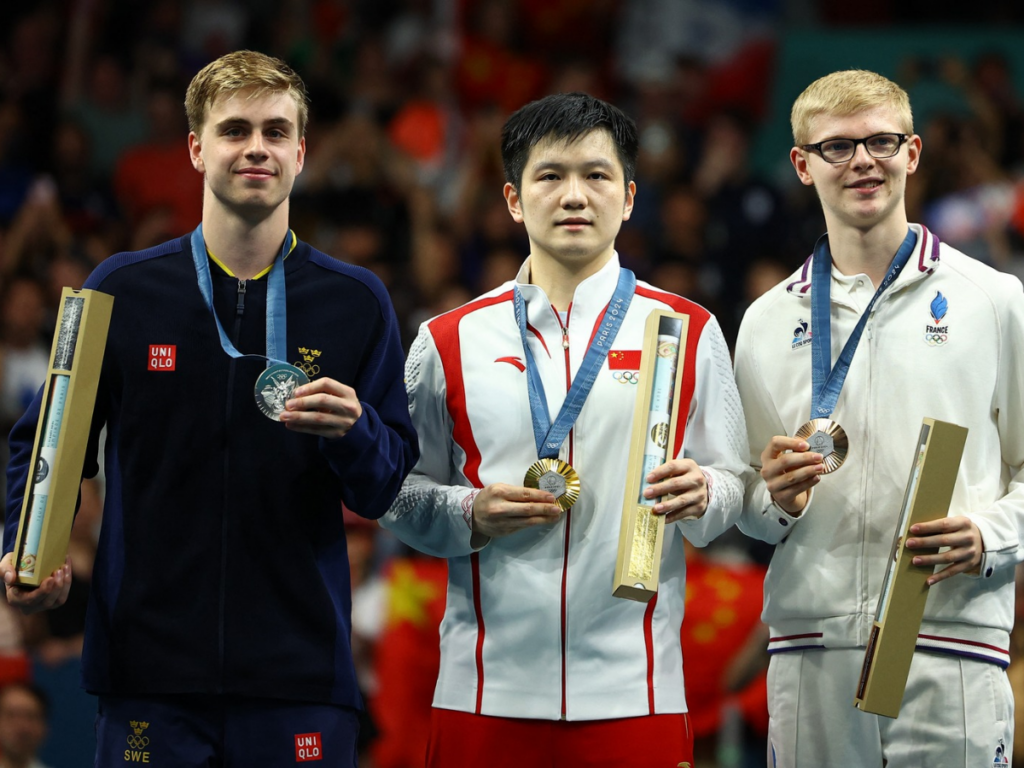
275 386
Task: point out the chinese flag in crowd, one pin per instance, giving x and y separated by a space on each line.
406 660
723 609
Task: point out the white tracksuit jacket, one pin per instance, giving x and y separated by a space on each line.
531 628
946 341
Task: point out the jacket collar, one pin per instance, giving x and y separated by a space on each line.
923 262
589 299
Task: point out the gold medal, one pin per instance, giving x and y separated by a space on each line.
557 478
826 437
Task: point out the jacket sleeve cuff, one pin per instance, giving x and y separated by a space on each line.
779 520
996 554
359 437
476 540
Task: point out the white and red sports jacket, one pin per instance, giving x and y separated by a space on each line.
531 628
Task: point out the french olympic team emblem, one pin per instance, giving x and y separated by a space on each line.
936 335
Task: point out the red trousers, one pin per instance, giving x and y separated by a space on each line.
463 740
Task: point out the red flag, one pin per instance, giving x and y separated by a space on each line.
624 360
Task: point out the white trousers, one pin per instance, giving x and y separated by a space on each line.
956 713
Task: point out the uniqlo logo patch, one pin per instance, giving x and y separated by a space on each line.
162 357
308 746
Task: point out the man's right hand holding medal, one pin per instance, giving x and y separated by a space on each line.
790 471
501 509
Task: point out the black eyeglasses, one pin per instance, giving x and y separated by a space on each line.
879 146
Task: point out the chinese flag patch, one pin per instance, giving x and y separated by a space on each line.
308 746
162 357
624 360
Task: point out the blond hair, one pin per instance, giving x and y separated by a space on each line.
243 71
846 93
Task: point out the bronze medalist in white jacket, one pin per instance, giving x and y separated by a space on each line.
944 341
531 628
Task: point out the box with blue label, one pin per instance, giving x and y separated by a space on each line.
655 417
62 434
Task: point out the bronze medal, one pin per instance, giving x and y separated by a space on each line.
826 437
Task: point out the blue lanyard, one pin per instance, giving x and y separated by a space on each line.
549 437
826 381
277 311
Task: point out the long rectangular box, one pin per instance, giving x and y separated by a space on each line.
62 434
890 650
655 417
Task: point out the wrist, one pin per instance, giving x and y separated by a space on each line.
709 485
796 507
467 507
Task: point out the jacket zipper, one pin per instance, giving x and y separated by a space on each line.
568 516
236 333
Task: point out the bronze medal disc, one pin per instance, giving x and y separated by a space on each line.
826 437
557 478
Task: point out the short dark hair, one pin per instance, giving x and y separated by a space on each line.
566 116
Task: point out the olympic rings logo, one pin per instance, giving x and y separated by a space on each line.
936 339
627 377
138 742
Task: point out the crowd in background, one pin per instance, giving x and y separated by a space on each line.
403 176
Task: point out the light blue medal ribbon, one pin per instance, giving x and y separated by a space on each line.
826 380
277 319
550 436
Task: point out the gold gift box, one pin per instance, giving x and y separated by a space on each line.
890 650
62 433
641 536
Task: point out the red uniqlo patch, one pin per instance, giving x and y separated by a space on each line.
308 747
162 357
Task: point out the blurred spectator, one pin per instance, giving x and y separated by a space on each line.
212 28
106 110
992 82
15 661
24 709
683 244
38 234
732 42
746 219
155 179
15 171
32 78
65 271
24 356
86 199
491 69
24 353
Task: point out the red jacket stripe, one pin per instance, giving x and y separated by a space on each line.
445 330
